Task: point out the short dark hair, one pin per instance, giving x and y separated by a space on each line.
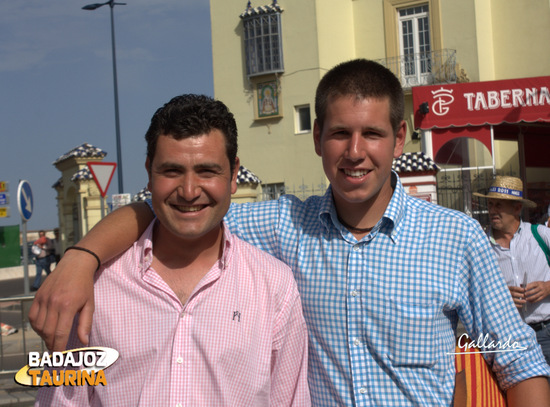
192 115
363 79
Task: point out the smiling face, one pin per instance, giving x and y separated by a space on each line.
357 146
191 183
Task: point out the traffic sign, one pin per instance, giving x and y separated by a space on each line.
4 199
4 212
4 185
25 202
103 174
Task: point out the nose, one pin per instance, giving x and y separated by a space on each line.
189 189
355 150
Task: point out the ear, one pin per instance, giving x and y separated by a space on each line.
317 137
234 175
400 139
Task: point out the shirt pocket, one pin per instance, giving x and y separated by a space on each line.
412 333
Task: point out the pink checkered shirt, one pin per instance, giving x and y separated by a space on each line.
240 340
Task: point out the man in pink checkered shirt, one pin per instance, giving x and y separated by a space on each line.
199 317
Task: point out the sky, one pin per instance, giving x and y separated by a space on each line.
56 86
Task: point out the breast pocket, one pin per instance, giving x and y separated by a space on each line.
412 334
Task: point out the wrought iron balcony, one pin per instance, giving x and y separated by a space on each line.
423 68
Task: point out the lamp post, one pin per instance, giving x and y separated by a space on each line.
112 4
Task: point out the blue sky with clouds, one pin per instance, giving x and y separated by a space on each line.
56 85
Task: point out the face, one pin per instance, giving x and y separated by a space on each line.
357 145
504 214
191 183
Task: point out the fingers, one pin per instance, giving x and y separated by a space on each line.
516 290
37 315
65 292
536 291
534 295
52 323
519 301
85 322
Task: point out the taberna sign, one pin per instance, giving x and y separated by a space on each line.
481 103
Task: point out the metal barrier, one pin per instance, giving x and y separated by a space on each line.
14 348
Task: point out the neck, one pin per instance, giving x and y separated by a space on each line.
361 217
354 229
505 235
177 253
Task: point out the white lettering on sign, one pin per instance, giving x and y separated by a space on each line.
507 98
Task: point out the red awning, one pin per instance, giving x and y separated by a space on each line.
442 136
481 103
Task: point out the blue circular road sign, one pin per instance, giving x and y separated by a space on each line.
25 202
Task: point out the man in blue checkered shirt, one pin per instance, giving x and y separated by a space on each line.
384 277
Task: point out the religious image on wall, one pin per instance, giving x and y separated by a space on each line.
268 99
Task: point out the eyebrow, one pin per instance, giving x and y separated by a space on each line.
201 166
363 129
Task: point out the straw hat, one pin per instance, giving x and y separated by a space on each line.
510 188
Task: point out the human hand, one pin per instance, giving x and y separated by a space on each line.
65 292
537 291
518 295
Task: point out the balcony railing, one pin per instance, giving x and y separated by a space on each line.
423 68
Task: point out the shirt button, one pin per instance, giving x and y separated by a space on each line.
179 405
357 342
362 390
354 293
356 248
179 360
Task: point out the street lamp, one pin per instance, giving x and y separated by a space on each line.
112 4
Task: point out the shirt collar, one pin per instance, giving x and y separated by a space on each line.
391 219
145 247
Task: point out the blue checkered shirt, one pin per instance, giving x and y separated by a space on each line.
382 312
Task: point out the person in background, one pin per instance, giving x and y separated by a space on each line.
522 259
384 277
229 329
55 252
43 258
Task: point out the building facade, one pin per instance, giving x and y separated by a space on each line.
268 58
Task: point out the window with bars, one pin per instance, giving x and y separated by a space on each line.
263 44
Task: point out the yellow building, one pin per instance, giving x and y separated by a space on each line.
78 197
269 56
